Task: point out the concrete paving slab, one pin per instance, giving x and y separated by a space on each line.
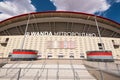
45 70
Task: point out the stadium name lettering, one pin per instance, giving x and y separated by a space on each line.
59 34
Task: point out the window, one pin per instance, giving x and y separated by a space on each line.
81 55
4 44
116 46
101 46
6 39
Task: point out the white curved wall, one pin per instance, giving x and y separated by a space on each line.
40 43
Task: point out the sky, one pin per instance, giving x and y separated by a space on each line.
106 8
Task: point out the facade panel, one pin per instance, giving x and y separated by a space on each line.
61 46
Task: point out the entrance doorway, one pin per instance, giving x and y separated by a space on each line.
71 57
60 56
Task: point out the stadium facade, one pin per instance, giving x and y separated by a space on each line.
63 35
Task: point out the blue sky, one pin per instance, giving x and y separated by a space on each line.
43 5
106 8
113 12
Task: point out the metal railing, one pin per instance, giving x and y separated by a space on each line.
48 73
16 73
3 61
110 67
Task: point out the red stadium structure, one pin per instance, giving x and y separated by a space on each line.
22 54
100 55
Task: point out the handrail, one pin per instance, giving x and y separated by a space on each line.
100 66
72 69
57 70
43 67
37 76
18 72
15 64
105 66
27 67
77 76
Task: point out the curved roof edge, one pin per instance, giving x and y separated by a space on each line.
60 12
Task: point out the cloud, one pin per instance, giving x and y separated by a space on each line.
4 16
117 1
9 8
88 6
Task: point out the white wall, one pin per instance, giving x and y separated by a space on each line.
82 44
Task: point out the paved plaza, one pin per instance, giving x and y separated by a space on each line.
45 70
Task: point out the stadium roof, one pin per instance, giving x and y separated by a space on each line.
59 21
